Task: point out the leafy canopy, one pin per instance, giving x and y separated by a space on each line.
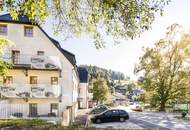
117 18
165 68
100 90
4 66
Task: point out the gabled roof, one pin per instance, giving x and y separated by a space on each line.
24 20
83 75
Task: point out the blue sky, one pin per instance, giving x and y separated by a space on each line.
124 56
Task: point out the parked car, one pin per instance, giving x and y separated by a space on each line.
112 115
99 109
136 107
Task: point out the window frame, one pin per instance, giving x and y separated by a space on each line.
40 53
7 77
31 80
53 81
57 108
6 31
28 34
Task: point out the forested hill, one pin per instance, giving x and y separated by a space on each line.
95 71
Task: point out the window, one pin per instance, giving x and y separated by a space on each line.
115 112
15 57
79 90
40 53
122 112
28 31
54 80
33 109
108 113
8 80
33 79
54 108
3 29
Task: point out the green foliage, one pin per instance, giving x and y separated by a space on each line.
4 66
182 118
22 122
165 68
116 18
100 90
95 72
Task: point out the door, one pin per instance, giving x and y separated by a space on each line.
115 115
54 109
33 110
16 57
107 116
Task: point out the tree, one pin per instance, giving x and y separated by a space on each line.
4 66
165 68
100 90
117 18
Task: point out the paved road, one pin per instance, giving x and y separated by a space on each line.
130 124
145 124
119 125
166 120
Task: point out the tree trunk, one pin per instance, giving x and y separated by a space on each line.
162 106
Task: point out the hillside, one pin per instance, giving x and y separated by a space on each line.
95 72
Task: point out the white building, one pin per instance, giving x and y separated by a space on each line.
83 88
44 79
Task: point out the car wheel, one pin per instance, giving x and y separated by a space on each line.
98 121
121 119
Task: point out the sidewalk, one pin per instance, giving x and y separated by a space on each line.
82 117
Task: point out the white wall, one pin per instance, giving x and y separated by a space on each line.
83 94
30 46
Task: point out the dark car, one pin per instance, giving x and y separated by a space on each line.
112 115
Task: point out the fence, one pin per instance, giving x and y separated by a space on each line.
11 111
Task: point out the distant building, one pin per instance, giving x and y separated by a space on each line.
83 88
121 89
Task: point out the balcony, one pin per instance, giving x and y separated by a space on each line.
30 91
33 61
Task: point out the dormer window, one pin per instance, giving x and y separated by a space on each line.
28 31
3 29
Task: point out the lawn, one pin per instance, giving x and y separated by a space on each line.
22 122
37 124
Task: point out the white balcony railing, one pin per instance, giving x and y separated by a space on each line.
30 91
34 61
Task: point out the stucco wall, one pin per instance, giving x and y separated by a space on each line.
83 94
30 46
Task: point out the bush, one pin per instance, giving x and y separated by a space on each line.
183 114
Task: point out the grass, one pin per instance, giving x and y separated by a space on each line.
22 122
38 124
182 118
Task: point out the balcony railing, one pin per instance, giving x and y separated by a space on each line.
30 91
33 61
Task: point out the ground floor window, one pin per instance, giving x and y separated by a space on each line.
54 109
33 109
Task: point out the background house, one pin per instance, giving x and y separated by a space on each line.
83 88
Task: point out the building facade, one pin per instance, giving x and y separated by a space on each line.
44 78
83 96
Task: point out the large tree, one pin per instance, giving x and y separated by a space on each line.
100 90
4 66
165 68
116 18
